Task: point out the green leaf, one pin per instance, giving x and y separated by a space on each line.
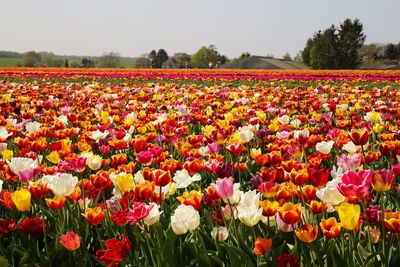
234 257
169 247
3 262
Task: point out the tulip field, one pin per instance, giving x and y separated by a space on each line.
102 167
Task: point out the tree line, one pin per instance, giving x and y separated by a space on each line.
337 47
343 47
48 59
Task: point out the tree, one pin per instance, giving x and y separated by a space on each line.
109 60
31 59
143 62
75 64
182 59
87 63
369 53
50 60
242 56
323 53
350 39
391 52
161 57
287 56
335 48
298 57
152 54
307 49
204 56
66 64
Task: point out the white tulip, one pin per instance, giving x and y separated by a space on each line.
219 233
33 127
21 164
154 214
324 147
249 211
330 194
185 218
235 198
98 135
245 134
284 119
94 162
4 134
350 147
183 179
61 184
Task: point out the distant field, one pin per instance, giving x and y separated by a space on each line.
127 63
8 62
12 62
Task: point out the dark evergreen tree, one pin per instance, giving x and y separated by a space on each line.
87 63
324 52
391 52
335 48
161 57
350 39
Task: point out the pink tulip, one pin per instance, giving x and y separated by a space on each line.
224 187
355 185
78 165
26 175
349 162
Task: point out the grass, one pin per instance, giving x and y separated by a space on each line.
127 63
9 62
12 62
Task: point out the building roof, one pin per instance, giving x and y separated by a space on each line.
257 62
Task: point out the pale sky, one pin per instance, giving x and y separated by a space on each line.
133 27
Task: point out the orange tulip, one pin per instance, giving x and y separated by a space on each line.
307 233
118 160
359 137
330 227
383 180
194 166
161 177
308 193
70 241
269 207
298 177
94 216
262 245
144 190
290 213
56 202
317 207
192 199
392 221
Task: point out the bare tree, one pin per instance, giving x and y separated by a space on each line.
109 60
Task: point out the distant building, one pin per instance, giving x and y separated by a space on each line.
269 63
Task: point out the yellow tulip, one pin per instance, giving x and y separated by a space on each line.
349 215
374 116
261 115
255 152
7 154
273 126
378 128
53 157
22 199
124 182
